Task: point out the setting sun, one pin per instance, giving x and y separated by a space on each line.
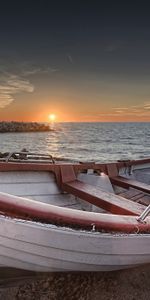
52 117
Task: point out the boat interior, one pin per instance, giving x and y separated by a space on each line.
121 188
74 186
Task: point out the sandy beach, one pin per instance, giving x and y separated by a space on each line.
126 284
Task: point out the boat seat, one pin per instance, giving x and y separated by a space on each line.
102 182
96 196
126 183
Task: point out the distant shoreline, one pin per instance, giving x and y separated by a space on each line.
23 127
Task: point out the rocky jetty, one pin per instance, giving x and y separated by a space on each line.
23 127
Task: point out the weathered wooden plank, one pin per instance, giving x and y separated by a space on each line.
108 201
112 169
145 200
67 173
101 181
131 194
126 183
128 193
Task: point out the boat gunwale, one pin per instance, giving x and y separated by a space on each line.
38 166
27 208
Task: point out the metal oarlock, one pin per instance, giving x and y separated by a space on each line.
144 214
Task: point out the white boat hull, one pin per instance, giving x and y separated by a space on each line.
43 247
39 247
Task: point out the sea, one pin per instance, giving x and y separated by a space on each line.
75 142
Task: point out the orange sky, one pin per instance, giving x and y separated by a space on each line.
68 111
84 63
69 116
32 97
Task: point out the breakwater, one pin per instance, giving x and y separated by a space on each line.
23 127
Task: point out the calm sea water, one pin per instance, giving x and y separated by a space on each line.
85 141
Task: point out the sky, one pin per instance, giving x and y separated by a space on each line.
84 61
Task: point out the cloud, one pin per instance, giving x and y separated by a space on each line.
119 111
70 58
120 108
52 70
16 77
34 71
138 110
31 72
5 100
147 106
10 85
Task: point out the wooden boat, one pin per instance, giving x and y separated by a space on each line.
73 217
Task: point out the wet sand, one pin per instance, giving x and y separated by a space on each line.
121 285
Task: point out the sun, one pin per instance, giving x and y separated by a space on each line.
52 117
